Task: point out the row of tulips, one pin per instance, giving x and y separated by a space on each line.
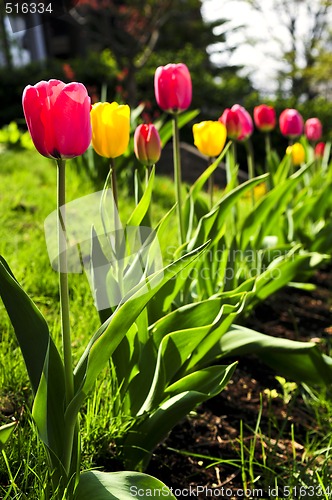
43 104
164 343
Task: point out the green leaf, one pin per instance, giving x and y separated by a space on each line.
110 334
42 360
146 435
210 225
266 213
197 187
300 361
95 485
166 131
5 433
210 381
142 207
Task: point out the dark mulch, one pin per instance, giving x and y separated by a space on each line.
214 431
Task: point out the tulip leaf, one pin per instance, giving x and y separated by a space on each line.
166 131
119 486
144 436
143 205
209 225
42 360
299 361
5 433
110 334
198 185
267 211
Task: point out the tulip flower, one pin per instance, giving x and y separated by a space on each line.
173 87
297 153
58 118
173 91
209 137
147 144
265 117
313 129
110 128
238 122
291 123
319 149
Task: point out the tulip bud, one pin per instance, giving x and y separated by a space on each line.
319 149
291 123
58 118
147 145
297 153
173 87
110 128
209 137
265 117
238 123
313 129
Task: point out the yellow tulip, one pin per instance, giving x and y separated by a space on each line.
110 128
210 137
297 153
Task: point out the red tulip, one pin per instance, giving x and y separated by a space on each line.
238 122
291 123
147 145
265 117
173 87
58 118
319 149
313 129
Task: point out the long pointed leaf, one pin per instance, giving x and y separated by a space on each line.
110 334
95 485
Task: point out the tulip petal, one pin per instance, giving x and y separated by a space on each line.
71 120
32 107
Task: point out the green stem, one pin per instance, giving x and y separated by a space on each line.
268 160
177 177
118 235
65 321
63 283
211 184
114 181
251 168
267 145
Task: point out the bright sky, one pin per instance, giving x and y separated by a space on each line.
263 58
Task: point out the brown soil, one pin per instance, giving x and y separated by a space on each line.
215 429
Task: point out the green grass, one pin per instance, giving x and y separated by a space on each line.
27 197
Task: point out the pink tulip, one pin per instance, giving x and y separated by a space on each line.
147 145
319 149
238 122
265 117
58 118
291 123
313 129
173 87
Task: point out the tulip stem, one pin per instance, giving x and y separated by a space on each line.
211 184
114 182
177 176
251 168
63 283
269 164
267 146
72 428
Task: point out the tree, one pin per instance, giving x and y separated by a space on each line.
298 30
143 33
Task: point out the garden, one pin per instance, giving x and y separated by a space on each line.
173 336
165 282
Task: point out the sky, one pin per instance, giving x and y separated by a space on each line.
263 59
